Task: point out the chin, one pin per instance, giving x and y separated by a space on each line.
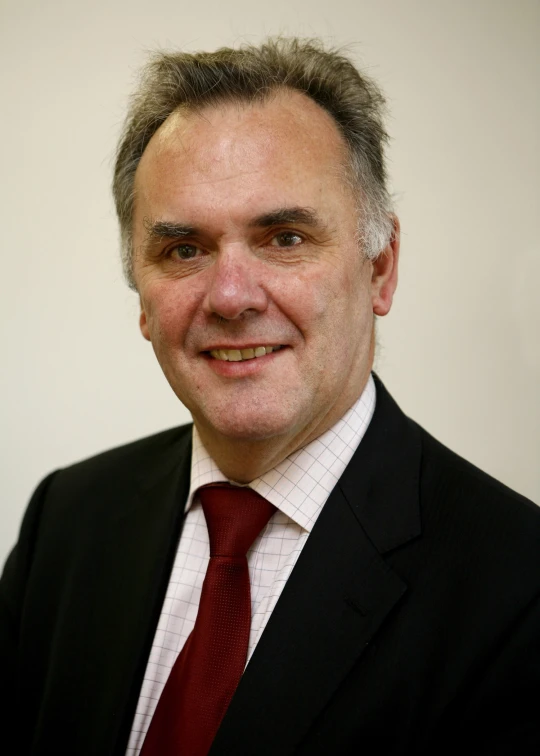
253 425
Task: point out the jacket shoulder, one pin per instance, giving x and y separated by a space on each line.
95 489
451 473
478 522
137 459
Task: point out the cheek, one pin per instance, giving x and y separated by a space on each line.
305 297
167 312
333 300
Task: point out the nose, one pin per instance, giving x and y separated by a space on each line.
236 285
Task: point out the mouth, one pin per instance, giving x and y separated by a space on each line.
242 355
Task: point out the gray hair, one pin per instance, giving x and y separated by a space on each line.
251 74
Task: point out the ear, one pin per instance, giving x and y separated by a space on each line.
143 324
385 273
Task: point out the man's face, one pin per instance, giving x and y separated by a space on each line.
245 239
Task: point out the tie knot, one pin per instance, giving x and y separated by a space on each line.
234 516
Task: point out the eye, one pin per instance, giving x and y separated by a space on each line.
185 251
286 239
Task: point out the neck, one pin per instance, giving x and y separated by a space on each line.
244 460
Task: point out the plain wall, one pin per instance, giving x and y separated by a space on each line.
460 350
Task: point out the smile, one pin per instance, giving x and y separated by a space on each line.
238 355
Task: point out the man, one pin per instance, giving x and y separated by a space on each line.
389 602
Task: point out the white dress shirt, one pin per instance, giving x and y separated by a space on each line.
298 487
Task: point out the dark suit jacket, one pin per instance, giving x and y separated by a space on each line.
410 624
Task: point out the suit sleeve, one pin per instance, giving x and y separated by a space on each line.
502 715
12 597
509 721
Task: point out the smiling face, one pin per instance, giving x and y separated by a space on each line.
245 238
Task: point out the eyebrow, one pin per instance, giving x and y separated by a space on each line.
159 229
304 215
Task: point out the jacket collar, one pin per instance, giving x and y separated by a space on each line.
382 486
338 596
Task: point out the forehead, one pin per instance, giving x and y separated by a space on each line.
287 143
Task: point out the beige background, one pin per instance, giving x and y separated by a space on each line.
461 348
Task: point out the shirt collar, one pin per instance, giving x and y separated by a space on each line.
299 485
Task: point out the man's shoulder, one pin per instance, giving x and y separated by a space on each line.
445 477
474 517
134 465
135 454
450 474
76 507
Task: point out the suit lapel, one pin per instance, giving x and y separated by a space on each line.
135 560
338 596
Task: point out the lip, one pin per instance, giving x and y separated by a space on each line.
248 345
243 368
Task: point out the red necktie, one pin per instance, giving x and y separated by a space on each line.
208 670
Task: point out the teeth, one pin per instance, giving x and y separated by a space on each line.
236 355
